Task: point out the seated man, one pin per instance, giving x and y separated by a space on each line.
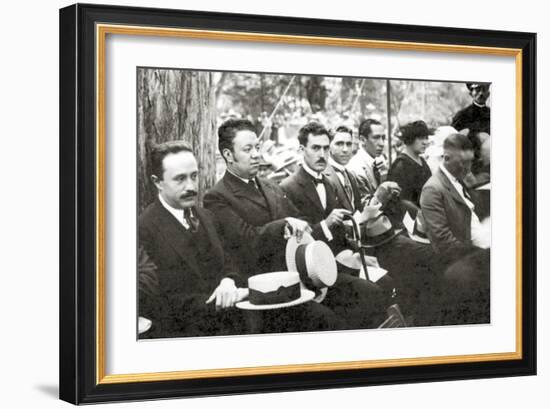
194 281
254 219
362 303
411 265
452 224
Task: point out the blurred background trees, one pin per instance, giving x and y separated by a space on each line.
189 105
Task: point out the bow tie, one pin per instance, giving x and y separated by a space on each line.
318 181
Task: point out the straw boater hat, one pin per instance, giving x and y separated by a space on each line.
419 231
312 259
275 290
377 231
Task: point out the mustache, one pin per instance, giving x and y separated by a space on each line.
321 161
189 194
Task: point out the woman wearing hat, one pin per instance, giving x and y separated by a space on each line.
409 170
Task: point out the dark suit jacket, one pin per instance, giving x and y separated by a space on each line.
189 266
251 223
474 118
448 217
301 190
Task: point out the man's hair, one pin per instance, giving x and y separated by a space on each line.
228 130
313 128
344 129
457 141
160 151
364 127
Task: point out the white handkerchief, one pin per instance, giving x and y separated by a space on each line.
375 273
408 222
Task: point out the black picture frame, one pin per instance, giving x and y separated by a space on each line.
79 360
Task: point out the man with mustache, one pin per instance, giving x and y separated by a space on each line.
255 218
359 301
195 286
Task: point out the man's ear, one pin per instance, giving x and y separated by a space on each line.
228 155
156 181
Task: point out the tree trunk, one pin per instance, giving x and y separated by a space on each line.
175 105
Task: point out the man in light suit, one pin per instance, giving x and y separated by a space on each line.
452 224
196 284
369 164
255 218
457 235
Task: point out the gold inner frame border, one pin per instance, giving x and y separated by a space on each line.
102 30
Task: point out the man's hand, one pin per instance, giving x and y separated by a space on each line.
387 191
226 294
336 217
296 227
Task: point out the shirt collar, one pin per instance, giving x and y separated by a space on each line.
336 165
365 156
479 105
177 213
238 177
311 172
448 174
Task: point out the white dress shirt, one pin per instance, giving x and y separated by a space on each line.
322 193
476 231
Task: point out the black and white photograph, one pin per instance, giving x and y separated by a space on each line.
286 203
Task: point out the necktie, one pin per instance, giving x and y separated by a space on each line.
376 173
465 191
252 183
318 181
191 220
347 184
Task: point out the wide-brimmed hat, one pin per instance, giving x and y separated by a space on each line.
419 230
279 289
312 259
350 262
377 231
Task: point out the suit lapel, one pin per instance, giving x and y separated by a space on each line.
270 198
332 176
450 188
175 234
243 192
304 180
206 223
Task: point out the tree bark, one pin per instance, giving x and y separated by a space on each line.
175 105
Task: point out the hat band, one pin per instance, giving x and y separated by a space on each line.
278 296
375 240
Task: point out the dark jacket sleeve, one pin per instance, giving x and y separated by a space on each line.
261 240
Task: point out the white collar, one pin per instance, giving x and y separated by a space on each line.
177 213
365 156
238 177
336 165
479 105
448 174
311 172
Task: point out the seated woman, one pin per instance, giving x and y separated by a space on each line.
409 170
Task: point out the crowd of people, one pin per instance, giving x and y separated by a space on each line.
423 221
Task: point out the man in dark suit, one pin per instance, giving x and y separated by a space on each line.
477 116
361 302
181 240
255 218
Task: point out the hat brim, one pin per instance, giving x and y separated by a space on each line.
370 246
291 248
305 296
